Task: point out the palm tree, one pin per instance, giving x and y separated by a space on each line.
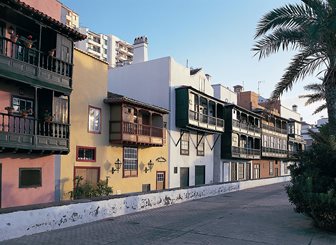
310 29
317 95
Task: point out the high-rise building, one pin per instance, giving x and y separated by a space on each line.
69 17
109 48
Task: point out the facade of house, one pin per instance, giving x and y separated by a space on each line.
69 17
196 116
113 137
35 85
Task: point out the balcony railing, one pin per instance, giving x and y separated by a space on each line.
243 125
19 51
245 151
206 119
18 129
141 129
275 151
276 129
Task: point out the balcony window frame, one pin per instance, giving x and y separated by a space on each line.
86 148
100 120
20 98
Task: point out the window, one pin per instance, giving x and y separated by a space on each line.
145 187
89 174
184 145
201 144
30 177
256 171
175 170
86 154
130 162
94 120
271 168
285 168
241 171
21 104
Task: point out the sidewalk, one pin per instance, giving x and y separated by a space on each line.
261 215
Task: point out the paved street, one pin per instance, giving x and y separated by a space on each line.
256 216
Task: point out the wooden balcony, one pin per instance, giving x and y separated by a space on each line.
34 67
274 153
245 153
134 133
245 128
29 135
205 121
274 129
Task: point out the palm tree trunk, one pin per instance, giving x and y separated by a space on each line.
330 93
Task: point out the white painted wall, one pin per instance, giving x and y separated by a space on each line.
225 94
22 223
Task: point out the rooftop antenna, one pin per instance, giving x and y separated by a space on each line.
187 63
259 87
243 85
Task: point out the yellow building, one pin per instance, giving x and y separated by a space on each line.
107 129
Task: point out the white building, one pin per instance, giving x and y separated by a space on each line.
95 44
119 51
69 17
108 48
225 94
188 95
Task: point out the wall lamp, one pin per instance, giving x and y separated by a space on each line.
118 164
150 166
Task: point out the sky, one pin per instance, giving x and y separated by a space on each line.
216 35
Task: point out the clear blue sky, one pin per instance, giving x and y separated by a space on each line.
216 35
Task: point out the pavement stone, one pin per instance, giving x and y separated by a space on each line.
260 215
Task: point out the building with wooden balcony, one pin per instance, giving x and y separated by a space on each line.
35 86
296 143
195 115
113 137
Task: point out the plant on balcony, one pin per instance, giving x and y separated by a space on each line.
313 184
47 116
29 41
25 113
9 110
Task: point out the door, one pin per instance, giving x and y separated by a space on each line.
248 171
60 109
234 171
160 180
184 177
0 183
199 175
256 171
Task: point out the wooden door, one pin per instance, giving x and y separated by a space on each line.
199 175
61 109
184 177
160 180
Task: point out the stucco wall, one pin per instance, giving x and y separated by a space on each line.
50 7
90 88
22 223
12 195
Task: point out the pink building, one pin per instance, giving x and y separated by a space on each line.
35 88
48 7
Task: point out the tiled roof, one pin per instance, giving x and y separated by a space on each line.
117 98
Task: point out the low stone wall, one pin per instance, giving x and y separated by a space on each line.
21 223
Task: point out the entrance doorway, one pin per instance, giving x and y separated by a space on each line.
184 177
199 175
160 180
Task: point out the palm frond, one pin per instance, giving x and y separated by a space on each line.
316 87
302 64
290 16
320 108
281 38
313 98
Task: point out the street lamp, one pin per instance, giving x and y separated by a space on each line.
150 166
118 164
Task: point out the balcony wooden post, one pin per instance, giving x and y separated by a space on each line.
35 117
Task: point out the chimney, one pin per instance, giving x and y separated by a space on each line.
294 108
140 49
238 88
208 77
